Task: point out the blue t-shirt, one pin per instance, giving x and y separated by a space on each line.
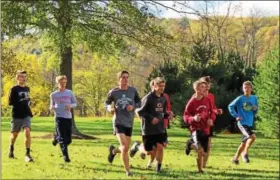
244 105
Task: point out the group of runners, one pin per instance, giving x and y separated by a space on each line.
154 110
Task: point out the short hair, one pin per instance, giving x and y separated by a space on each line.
206 79
119 75
59 78
152 83
197 83
19 72
158 80
248 83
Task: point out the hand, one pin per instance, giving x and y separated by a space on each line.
210 122
171 115
129 108
155 121
112 109
255 108
238 118
68 107
52 108
220 111
197 117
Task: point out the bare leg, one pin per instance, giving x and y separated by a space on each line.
249 143
13 138
207 154
239 151
199 159
124 147
152 158
159 156
27 137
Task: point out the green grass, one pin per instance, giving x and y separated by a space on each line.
89 157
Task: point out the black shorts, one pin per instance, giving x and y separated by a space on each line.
201 139
246 131
151 141
119 129
211 131
165 136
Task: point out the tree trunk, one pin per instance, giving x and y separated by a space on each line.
65 24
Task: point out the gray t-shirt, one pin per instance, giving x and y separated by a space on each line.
59 99
121 99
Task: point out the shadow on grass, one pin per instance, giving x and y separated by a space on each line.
248 170
171 173
242 175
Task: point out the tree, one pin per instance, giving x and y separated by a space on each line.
102 24
94 83
266 85
253 36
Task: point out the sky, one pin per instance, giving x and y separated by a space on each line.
242 8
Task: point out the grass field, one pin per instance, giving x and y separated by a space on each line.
89 157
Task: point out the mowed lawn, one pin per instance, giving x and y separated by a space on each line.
89 157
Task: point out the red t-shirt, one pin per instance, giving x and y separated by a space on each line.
168 109
202 107
212 99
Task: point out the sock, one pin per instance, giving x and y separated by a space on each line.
12 148
149 163
158 167
137 147
27 151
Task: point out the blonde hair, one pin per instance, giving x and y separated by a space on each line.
151 84
206 79
158 80
248 83
198 83
20 72
59 78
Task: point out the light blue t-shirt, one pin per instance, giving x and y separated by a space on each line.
244 105
59 99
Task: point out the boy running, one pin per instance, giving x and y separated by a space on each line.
125 99
166 124
247 106
152 113
19 99
61 102
216 111
200 115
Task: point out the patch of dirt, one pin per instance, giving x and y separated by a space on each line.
74 136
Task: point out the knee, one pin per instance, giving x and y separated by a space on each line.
14 134
200 151
159 147
253 137
27 132
124 148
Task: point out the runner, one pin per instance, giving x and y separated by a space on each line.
125 99
61 102
247 107
19 99
152 113
199 115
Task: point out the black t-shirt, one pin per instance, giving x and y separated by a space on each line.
20 100
152 106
